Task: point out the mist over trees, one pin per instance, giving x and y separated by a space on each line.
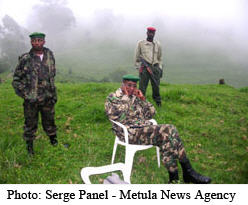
100 46
50 17
12 43
53 18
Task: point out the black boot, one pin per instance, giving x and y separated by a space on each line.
30 147
159 104
190 175
173 177
53 140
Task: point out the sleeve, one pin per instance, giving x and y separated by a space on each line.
149 110
160 62
137 56
115 109
52 71
53 67
18 82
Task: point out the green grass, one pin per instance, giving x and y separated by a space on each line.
212 121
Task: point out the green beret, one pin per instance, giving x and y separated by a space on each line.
131 78
37 35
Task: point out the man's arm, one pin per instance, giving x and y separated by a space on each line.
160 60
52 73
115 108
18 79
137 62
53 68
149 110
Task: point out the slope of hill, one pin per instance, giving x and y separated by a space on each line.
212 121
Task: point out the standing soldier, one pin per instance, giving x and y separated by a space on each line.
33 80
129 107
148 60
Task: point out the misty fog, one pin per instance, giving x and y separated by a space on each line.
195 50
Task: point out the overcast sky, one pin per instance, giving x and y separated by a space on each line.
209 34
219 11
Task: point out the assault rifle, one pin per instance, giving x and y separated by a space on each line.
149 70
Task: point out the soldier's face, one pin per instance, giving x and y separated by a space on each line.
130 87
150 34
37 43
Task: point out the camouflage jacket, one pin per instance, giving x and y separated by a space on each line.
33 79
130 111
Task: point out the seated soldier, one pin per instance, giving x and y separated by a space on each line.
129 107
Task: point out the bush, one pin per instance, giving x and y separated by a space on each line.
245 89
4 66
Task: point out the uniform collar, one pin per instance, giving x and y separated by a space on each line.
31 52
149 42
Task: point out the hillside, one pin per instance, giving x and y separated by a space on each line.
212 121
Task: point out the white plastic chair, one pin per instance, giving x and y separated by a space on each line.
130 151
87 171
125 168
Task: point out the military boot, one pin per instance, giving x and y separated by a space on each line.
30 147
53 140
190 175
159 104
173 177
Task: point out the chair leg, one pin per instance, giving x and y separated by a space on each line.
85 175
129 155
114 151
158 156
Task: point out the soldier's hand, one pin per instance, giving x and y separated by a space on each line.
139 94
124 90
32 100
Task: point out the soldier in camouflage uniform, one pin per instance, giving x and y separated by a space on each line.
129 107
34 82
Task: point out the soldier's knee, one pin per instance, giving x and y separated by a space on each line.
168 127
169 130
173 128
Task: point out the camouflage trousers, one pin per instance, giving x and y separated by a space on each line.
145 76
164 136
31 115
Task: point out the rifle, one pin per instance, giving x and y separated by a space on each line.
148 70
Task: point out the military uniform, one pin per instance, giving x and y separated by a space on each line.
151 53
33 80
128 106
135 115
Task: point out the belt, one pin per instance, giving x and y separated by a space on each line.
155 64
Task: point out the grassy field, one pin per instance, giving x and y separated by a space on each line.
212 121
